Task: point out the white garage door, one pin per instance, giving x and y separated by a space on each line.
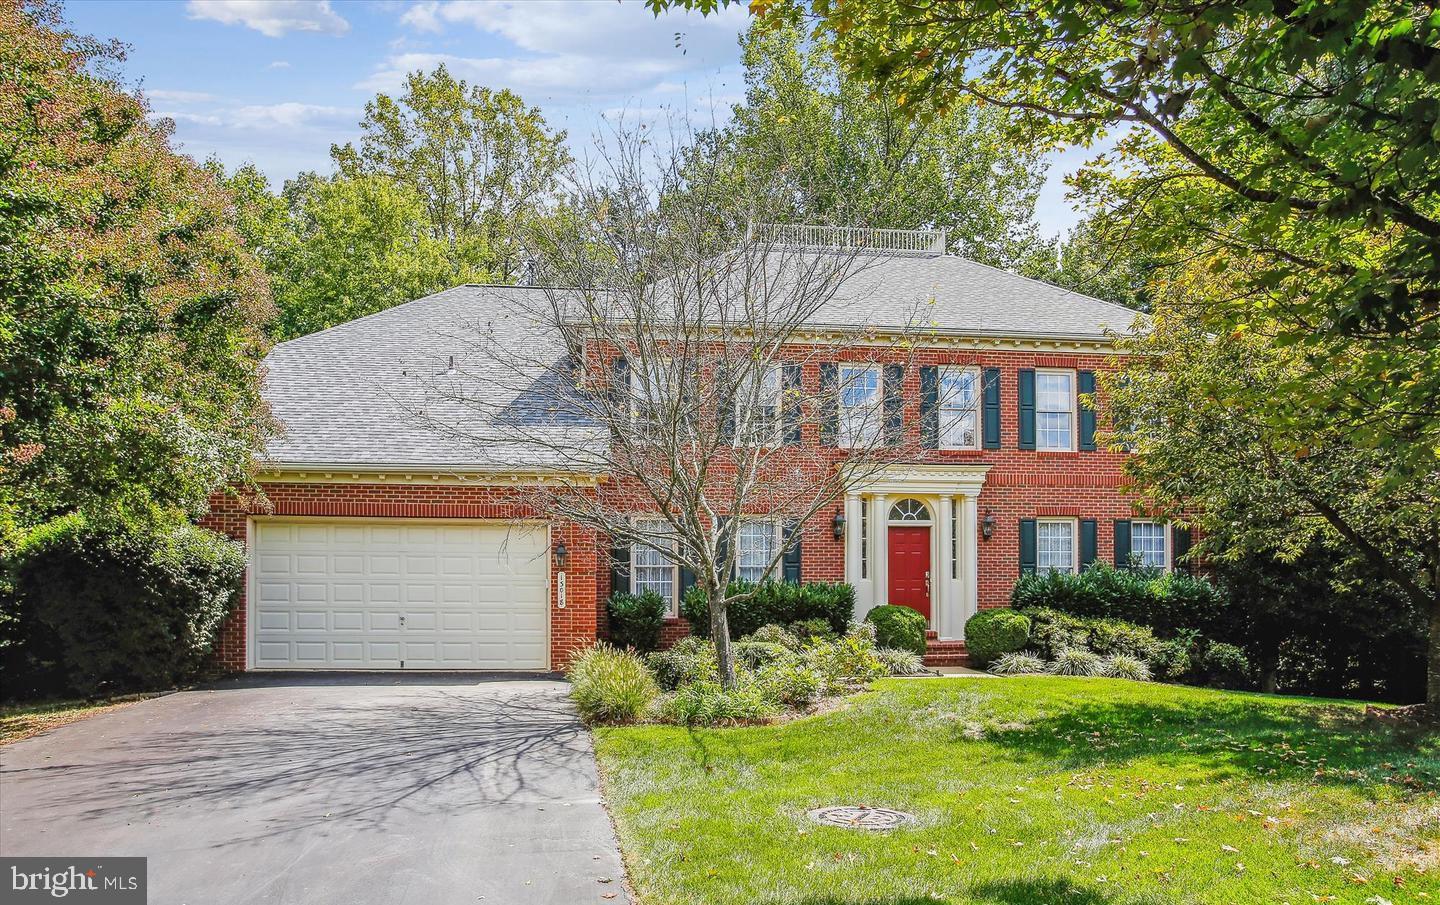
398 595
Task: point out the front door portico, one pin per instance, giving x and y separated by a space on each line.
909 570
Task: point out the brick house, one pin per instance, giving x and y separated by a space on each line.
380 543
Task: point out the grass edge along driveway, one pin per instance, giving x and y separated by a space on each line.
1049 791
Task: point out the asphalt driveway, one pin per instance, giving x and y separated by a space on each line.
325 789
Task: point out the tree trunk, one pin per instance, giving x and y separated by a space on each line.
1432 676
1270 674
720 634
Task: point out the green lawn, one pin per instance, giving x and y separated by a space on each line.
1034 790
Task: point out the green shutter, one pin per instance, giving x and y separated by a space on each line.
792 555
790 397
1122 543
620 569
1027 546
893 385
992 408
930 407
1086 381
619 389
1180 545
1087 543
1027 408
829 403
726 415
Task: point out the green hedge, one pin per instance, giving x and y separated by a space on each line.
898 627
636 620
990 633
122 606
1167 603
773 603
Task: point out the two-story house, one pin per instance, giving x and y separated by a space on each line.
382 544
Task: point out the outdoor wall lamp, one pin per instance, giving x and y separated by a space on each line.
838 524
987 525
562 553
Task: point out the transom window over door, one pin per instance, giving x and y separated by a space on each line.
1055 410
909 511
755 548
859 407
650 569
1055 546
959 408
1147 543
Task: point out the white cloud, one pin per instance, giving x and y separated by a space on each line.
279 64
273 18
179 97
556 77
288 115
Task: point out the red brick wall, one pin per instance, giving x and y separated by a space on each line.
570 629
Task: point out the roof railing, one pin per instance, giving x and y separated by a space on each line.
919 242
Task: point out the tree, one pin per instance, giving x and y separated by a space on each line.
1300 137
482 163
130 340
342 248
829 148
684 368
1225 438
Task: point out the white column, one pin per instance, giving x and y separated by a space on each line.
969 559
852 539
941 583
880 548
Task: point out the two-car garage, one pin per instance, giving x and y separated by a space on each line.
398 594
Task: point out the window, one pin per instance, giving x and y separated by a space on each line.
909 511
1147 544
1055 546
650 569
1055 410
860 402
755 548
757 409
959 408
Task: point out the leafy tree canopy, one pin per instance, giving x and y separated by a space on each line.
130 308
830 149
481 162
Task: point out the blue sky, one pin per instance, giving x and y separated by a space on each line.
277 82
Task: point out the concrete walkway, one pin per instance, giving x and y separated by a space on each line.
298 789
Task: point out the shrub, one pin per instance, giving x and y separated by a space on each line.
1017 663
901 662
1053 631
774 634
808 629
774 602
690 659
791 684
755 655
1225 665
610 685
1170 661
636 620
709 704
1076 662
123 605
848 660
1109 637
898 627
1124 666
1165 603
990 633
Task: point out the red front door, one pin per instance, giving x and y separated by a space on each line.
910 568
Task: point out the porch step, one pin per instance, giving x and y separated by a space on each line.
945 653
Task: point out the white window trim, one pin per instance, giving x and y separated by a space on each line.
975 391
1074 524
1164 540
775 528
875 421
1074 409
672 606
776 431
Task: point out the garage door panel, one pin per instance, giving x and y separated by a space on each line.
376 595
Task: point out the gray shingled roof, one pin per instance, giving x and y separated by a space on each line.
382 392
